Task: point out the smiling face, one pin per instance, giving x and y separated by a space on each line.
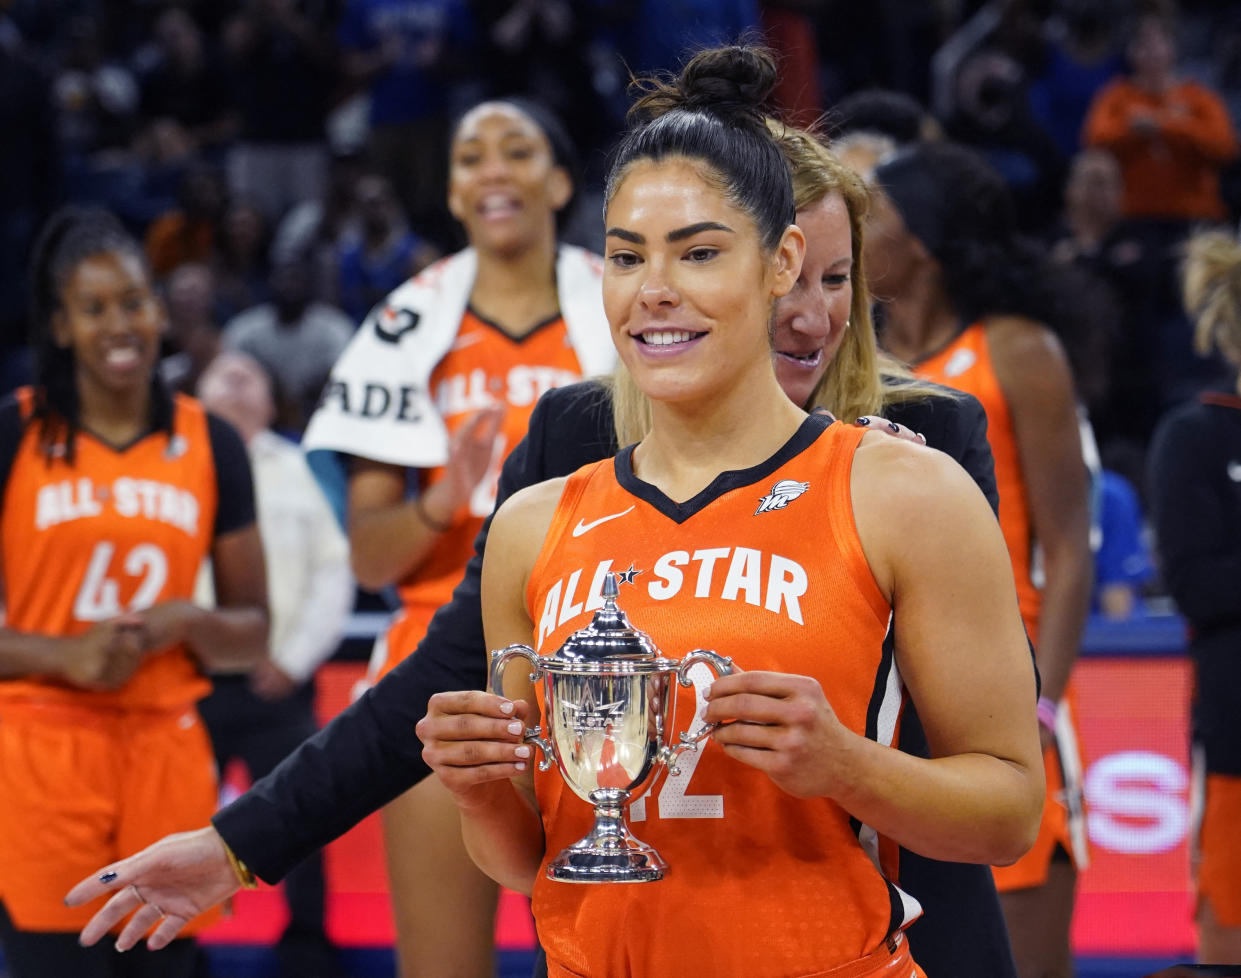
503 183
687 288
811 320
110 318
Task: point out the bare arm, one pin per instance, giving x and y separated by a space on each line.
467 738
1034 375
389 536
935 550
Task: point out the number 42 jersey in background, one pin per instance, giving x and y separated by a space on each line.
117 530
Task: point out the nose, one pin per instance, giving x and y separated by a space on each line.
657 289
807 312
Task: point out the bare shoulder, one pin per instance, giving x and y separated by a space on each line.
520 525
909 497
1023 345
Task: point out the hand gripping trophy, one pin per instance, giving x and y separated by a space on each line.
608 697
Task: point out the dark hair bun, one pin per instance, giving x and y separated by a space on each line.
733 83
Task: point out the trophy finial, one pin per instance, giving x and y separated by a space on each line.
610 589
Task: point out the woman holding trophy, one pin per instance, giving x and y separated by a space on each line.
799 790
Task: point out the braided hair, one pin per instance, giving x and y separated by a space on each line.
70 237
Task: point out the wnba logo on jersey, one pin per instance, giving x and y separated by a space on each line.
782 493
727 573
75 499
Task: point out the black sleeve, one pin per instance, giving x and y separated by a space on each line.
11 427
1189 502
956 424
368 754
233 479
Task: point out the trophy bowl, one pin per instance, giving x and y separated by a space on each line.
608 698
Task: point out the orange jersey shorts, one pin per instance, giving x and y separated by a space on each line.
82 788
1063 825
1217 849
887 961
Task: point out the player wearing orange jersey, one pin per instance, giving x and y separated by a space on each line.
441 379
961 302
114 492
700 245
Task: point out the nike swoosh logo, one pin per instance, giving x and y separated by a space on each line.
587 527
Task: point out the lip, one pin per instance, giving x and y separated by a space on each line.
498 207
810 360
666 349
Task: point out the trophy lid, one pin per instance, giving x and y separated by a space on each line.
609 636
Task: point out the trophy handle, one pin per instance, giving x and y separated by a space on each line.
500 659
723 666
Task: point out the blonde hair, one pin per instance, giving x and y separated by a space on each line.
1211 289
861 379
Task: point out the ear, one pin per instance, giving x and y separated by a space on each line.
786 262
559 187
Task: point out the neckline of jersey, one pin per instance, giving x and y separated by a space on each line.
806 434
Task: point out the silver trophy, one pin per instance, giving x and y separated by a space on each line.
608 696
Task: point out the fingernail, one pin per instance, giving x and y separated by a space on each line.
515 727
862 421
108 877
506 707
894 426
520 766
522 752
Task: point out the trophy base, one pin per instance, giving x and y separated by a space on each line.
632 862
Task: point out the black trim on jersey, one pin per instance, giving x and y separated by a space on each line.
234 508
806 435
12 426
887 652
537 327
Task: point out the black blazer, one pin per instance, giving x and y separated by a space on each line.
369 754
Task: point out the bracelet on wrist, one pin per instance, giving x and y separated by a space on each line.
1047 710
420 507
244 874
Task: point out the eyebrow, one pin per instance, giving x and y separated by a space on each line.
680 234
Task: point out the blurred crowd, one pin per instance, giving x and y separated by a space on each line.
285 160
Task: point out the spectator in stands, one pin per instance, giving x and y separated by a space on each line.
992 115
95 96
320 228
1128 276
193 334
869 126
384 254
186 104
1080 56
240 258
1171 136
260 716
188 234
281 60
405 54
1194 483
296 340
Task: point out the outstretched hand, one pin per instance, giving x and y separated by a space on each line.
168 883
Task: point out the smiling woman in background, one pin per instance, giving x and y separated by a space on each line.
114 492
439 383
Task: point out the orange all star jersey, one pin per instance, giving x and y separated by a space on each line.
117 530
966 365
484 366
765 566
